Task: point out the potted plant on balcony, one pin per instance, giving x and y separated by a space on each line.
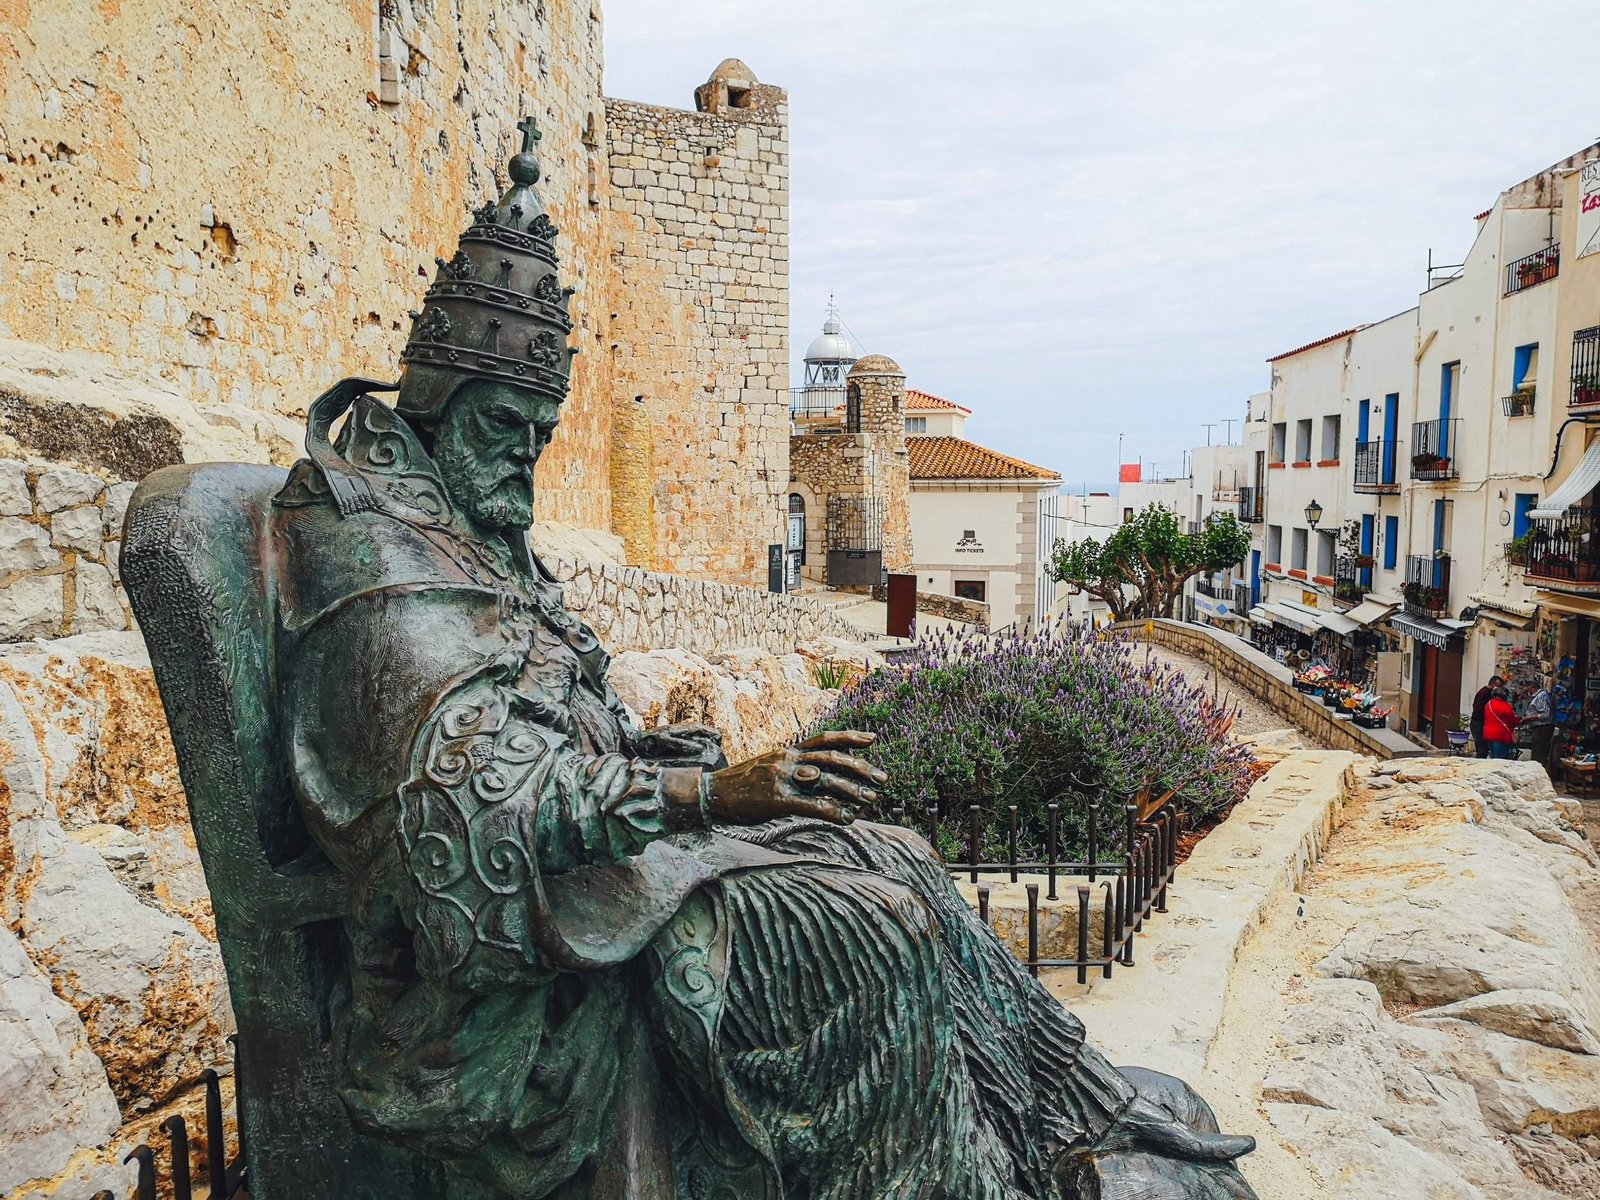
1429 462
1586 389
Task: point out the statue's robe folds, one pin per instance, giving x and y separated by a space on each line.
559 995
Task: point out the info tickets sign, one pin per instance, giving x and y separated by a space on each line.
1589 210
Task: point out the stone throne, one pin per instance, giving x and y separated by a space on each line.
197 572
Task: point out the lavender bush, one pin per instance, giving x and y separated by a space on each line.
1039 716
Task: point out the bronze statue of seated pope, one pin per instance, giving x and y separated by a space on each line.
488 940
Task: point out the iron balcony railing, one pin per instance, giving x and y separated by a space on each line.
816 402
1375 467
1250 504
1210 587
1433 449
1533 268
1241 597
1560 550
1518 404
1426 591
1352 575
1586 368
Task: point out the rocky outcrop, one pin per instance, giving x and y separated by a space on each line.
111 978
759 701
1443 1042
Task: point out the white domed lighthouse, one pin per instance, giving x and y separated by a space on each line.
828 360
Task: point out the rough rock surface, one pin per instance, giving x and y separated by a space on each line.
760 701
1438 1036
108 932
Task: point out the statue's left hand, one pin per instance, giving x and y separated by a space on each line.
821 777
688 742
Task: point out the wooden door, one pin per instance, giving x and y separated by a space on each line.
1430 669
1446 693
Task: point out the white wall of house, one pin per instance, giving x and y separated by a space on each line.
936 423
982 531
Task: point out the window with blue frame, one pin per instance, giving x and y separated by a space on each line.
1525 367
1391 435
1521 506
1391 542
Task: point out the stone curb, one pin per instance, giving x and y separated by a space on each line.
1166 1010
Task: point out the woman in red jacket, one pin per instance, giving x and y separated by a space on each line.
1499 725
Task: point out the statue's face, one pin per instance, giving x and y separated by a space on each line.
485 446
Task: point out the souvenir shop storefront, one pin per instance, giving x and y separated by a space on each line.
1432 704
1564 657
1350 645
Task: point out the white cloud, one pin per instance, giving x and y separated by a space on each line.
1090 218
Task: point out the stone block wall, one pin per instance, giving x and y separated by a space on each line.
634 609
214 196
953 608
699 332
60 534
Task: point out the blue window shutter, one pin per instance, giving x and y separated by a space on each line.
1391 433
1391 542
1524 502
1363 421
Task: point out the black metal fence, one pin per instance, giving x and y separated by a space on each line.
1375 467
1426 591
1518 404
1133 876
1585 368
1250 504
225 1178
1564 548
1433 449
1533 268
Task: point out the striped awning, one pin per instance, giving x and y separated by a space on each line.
1434 633
1582 481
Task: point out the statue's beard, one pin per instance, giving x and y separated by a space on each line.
493 494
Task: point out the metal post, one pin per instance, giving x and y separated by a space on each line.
1083 933
972 841
1108 935
1033 930
216 1152
1011 839
178 1136
1055 842
146 1158
983 903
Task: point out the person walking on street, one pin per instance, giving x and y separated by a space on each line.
1499 725
1479 745
1540 720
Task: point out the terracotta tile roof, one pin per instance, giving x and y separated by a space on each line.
1333 337
957 458
926 402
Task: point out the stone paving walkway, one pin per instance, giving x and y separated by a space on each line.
1255 718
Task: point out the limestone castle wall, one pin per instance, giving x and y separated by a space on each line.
700 328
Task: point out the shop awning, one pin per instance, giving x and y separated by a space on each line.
1370 612
1434 633
1572 606
1333 622
1282 614
1212 607
1521 608
1259 615
1574 487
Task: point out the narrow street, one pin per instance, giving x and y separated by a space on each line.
1255 718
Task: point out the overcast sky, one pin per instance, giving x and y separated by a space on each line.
1086 219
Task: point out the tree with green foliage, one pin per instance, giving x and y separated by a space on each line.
1139 571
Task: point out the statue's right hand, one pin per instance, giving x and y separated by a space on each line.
821 777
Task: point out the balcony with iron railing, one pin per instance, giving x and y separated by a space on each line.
1533 269
1241 596
1205 586
1585 377
1426 591
1519 403
1352 576
1433 448
1250 504
816 402
1562 552
1375 467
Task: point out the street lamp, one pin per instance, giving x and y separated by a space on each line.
1313 514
